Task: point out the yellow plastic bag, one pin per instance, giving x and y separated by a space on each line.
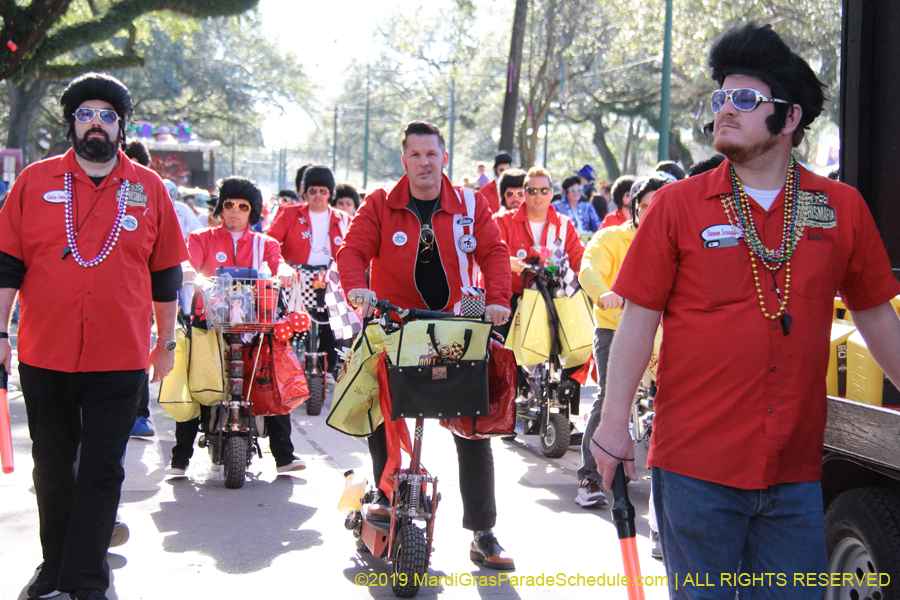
415 347
206 371
576 335
355 408
174 395
529 335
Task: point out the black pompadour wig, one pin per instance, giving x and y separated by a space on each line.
96 86
239 188
757 51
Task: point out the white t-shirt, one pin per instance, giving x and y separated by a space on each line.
764 198
235 236
536 230
320 242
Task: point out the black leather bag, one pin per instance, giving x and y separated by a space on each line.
442 389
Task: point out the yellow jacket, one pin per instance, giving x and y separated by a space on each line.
601 263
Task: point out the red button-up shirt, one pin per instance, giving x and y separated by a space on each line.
292 229
516 232
386 233
74 318
739 403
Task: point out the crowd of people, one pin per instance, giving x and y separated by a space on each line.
98 229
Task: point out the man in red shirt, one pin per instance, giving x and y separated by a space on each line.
87 239
424 240
621 197
741 405
490 190
311 235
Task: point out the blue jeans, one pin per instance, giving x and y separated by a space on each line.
719 536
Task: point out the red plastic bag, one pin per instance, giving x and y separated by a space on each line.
279 385
396 432
501 420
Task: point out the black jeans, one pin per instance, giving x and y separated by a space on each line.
144 405
476 477
77 507
279 428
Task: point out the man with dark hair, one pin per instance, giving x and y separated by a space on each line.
502 161
235 244
137 151
736 452
582 214
311 235
705 165
424 240
512 190
621 197
670 167
346 198
91 242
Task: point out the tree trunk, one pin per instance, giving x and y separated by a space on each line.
514 68
24 99
609 160
625 163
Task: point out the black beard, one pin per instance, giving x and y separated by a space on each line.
93 150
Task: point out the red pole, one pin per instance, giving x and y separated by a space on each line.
623 517
6 449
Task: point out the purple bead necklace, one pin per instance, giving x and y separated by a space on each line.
113 234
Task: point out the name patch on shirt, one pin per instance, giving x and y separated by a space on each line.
136 196
720 236
465 221
814 211
56 197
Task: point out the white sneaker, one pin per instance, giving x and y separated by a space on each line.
177 470
329 379
655 548
296 465
590 494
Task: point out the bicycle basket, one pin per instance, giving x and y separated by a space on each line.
240 305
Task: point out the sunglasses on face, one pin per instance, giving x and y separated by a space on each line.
86 115
514 193
744 99
315 192
535 191
231 205
426 244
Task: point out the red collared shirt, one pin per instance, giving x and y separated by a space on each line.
74 318
492 194
386 233
739 403
516 232
614 219
213 248
292 229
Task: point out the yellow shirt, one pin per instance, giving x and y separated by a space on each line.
601 263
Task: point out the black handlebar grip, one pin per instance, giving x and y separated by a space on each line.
622 509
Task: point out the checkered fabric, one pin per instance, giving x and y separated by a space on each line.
344 321
559 257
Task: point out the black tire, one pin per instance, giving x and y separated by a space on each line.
235 461
555 439
316 395
360 544
410 560
862 536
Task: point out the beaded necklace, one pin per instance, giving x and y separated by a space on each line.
737 208
113 234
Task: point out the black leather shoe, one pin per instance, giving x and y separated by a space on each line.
44 585
487 551
89 594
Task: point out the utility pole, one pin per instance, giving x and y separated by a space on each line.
663 152
452 125
366 143
334 147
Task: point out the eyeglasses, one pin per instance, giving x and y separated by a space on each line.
574 189
744 99
315 192
86 115
535 191
426 244
231 204
514 193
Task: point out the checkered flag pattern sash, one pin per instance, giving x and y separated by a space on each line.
560 258
344 321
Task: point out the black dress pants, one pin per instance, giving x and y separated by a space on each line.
77 507
279 428
476 477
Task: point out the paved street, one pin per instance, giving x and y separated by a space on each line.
283 536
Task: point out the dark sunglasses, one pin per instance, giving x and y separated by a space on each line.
426 244
86 115
744 99
535 191
231 204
